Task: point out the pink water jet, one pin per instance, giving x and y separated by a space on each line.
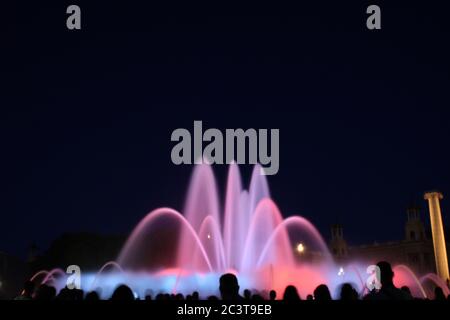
111 265
51 275
131 250
55 277
39 274
404 276
435 281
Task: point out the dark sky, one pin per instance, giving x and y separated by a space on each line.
86 116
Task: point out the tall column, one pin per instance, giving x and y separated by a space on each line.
437 229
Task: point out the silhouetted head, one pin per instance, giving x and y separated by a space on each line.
406 290
322 293
247 294
386 273
439 294
195 295
272 294
92 296
179 297
148 294
122 293
309 297
229 287
257 297
348 293
70 294
291 294
65 294
45 292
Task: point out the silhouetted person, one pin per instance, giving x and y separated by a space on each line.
179 297
65 294
27 292
78 294
291 294
92 296
309 297
148 295
122 293
322 293
213 298
229 287
406 290
348 293
247 294
45 293
272 295
388 290
195 296
439 294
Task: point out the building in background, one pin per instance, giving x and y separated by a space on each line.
415 250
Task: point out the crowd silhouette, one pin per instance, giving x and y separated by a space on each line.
229 290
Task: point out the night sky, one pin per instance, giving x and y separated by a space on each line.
86 116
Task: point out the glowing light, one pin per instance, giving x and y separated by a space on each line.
208 236
300 248
341 272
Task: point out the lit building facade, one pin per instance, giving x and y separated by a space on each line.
416 250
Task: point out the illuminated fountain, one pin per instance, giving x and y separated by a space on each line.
248 237
173 252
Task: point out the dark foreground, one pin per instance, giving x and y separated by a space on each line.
223 310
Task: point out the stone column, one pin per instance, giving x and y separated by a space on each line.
437 229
